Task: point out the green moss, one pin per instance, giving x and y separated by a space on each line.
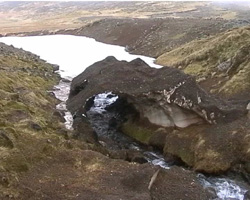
186 156
23 97
16 105
137 132
48 149
194 69
239 82
200 58
15 162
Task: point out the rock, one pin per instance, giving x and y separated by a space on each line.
136 156
35 126
158 138
59 115
5 141
224 65
247 195
65 80
139 159
83 130
212 192
248 106
55 67
166 97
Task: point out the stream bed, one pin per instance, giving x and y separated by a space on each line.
74 54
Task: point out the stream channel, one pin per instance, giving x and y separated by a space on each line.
74 54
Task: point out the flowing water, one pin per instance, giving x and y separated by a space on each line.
74 54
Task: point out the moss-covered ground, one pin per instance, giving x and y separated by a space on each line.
29 131
220 62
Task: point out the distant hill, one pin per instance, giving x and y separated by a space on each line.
20 16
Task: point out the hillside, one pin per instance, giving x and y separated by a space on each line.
34 16
221 63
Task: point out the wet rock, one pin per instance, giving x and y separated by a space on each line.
158 138
78 87
65 80
55 67
247 195
212 192
135 156
83 130
139 159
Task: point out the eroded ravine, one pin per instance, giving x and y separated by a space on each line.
224 187
99 117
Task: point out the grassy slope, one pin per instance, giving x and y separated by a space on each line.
221 61
25 107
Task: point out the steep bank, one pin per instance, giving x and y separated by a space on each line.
220 63
28 118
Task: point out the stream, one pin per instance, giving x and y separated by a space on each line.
74 54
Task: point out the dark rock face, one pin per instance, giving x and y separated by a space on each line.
205 132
